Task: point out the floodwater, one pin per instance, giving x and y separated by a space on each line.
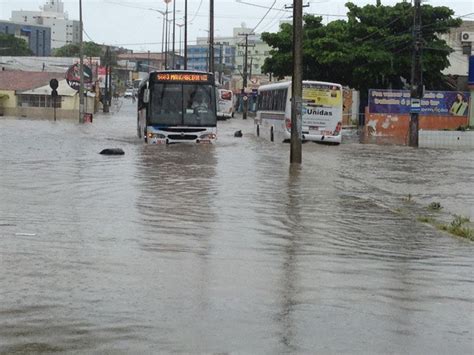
223 248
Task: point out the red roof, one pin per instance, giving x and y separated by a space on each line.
26 80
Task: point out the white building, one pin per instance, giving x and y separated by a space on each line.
63 30
459 59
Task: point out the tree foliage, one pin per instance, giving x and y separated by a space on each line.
371 49
91 49
13 46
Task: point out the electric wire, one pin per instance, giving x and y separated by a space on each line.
263 18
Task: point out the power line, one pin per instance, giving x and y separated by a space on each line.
263 18
196 13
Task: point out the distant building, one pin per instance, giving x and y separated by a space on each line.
258 50
48 64
198 58
132 66
37 37
52 15
459 59
28 94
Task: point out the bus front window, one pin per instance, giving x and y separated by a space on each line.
167 104
199 105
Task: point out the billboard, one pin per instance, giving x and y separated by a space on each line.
73 76
433 103
322 103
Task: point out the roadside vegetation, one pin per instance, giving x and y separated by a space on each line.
371 49
11 45
459 226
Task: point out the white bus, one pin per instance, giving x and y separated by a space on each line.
225 103
177 106
321 114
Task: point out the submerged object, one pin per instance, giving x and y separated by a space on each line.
112 151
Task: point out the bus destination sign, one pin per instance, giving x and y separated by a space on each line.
181 77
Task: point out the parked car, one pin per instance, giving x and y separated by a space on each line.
129 93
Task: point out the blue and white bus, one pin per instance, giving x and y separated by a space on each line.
177 106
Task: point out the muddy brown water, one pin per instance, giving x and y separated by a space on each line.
224 248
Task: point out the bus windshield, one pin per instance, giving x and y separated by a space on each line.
176 104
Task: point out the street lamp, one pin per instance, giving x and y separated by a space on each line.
81 66
180 25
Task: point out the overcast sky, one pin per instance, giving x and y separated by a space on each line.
131 23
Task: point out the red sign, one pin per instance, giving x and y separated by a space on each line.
73 76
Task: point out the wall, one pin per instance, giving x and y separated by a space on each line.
393 128
446 139
351 107
10 102
69 109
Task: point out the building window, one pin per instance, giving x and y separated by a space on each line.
38 101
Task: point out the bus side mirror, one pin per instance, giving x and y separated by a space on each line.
146 96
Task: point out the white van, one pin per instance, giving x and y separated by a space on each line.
225 103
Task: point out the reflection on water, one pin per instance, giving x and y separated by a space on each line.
224 248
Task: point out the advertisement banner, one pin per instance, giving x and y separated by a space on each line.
73 77
433 103
321 104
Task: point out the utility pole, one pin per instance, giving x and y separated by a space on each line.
245 75
148 61
166 37
297 83
251 66
173 60
105 99
211 36
109 95
221 61
81 66
163 39
416 78
185 34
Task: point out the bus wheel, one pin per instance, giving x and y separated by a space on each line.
271 135
258 130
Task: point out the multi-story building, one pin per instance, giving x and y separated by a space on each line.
258 50
37 37
461 40
234 52
52 15
224 57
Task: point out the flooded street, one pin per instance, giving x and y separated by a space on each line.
216 249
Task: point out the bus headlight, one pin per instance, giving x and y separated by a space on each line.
156 135
208 136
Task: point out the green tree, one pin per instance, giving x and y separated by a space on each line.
12 46
371 49
91 49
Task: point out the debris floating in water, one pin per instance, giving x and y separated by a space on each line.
238 133
112 151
